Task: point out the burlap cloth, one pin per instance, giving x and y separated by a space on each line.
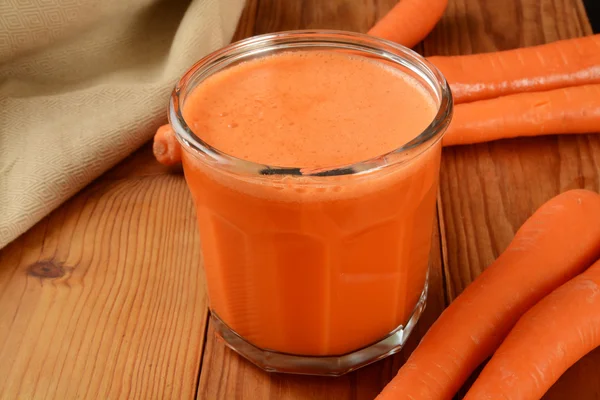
83 83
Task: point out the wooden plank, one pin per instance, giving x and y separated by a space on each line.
225 375
105 297
350 15
489 190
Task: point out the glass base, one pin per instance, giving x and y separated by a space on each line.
272 361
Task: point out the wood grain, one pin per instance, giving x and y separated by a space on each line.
104 299
350 15
489 190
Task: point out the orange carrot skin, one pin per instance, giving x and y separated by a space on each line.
560 111
559 241
547 340
550 66
410 21
166 148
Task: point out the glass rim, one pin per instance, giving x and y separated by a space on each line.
336 39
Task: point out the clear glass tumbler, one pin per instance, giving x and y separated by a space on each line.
315 271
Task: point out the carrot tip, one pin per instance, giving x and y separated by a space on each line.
159 149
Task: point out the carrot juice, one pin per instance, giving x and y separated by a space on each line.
315 229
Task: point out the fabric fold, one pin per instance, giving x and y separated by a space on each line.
83 84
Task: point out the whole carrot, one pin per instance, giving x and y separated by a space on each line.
410 21
166 148
560 240
547 340
568 110
555 65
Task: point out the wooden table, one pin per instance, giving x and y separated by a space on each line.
104 299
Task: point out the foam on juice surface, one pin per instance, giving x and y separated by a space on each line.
309 109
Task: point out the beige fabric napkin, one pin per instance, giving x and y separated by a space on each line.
83 83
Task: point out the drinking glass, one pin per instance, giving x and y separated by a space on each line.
315 271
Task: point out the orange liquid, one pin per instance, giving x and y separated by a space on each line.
307 265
